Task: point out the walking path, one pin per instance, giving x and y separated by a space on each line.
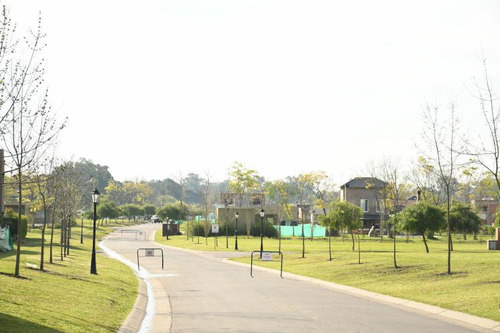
204 292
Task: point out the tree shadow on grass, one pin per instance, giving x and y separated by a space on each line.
15 324
463 274
12 275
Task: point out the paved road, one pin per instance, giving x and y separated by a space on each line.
199 293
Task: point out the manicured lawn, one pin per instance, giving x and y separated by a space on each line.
474 286
65 297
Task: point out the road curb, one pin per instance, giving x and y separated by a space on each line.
134 319
459 318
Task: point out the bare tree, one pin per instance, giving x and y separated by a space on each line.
181 182
443 145
487 152
42 179
31 123
391 195
207 203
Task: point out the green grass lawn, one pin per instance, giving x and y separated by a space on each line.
474 286
65 297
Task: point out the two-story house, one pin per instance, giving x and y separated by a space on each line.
366 193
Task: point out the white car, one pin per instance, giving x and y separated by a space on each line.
155 219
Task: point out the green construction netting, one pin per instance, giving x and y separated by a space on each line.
289 231
5 240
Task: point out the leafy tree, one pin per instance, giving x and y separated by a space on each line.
107 209
149 210
241 181
138 193
131 210
320 185
172 211
343 215
422 217
464 220
93 176
280 192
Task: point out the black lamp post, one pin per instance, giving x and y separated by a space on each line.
95 200
262 214
236 217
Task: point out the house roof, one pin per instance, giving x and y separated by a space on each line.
364 182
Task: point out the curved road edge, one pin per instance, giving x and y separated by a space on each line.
141 317
457 317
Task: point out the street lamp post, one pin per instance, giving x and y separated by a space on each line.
236 217
95 200
262 214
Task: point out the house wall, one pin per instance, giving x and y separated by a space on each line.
354 196
486 209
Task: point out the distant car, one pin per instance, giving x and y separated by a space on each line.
155 219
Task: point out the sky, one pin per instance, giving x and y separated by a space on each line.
154 88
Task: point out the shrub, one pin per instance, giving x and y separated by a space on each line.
10 219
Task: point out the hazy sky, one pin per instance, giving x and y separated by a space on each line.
152 88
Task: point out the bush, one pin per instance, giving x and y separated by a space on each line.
489 230
269 230
10 219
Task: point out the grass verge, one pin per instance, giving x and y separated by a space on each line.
473 287
65 297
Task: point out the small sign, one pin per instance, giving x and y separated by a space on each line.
150 253
215 228
267 256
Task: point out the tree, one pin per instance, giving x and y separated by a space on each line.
241 181
172 210
107 209
391 194
131 210
69 198
93 176
149 210
320 185
344 215
206 204
27 121
280 192
487 153
422 217
464 220
137 193
44 200
443 147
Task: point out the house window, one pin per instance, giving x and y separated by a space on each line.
377 206
364 205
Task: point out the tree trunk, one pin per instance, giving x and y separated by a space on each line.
330 242
42 248
52 232
352 235
394 243
19 231
425 242
61 245
449 228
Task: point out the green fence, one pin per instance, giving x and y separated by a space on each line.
289 231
